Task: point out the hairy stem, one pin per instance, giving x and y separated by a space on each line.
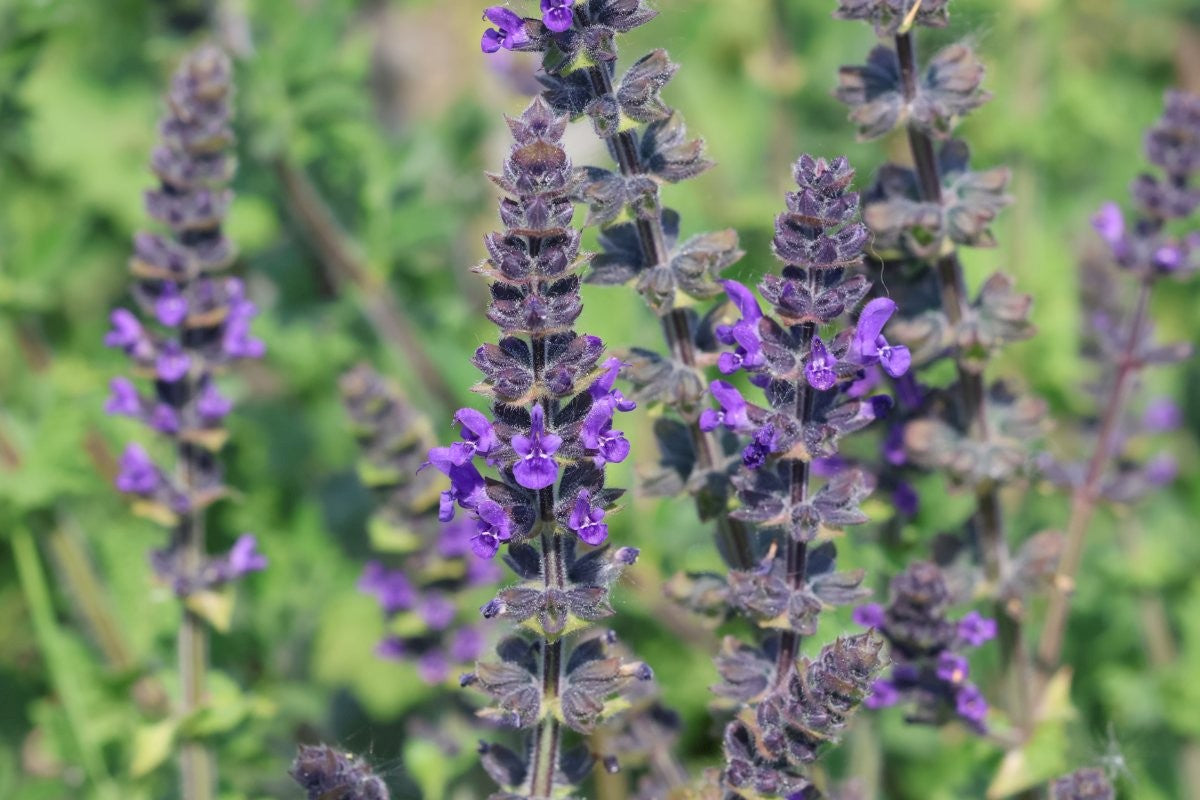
1087 494
676 328
988 520
198 772
344 264
797 551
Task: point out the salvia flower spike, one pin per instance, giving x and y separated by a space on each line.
790 708
433 563
194 323
544 500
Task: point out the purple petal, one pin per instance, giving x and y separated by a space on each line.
871 320
1110 224
557 19
744 299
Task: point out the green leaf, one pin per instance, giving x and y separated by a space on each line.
152 745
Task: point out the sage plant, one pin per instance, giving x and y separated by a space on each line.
194 324
1160 241
640 237
812 372
920 216
325 773
547 442
419 594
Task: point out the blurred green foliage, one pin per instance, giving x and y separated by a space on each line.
393 115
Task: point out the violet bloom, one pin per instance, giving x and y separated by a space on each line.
556 14
976 629
164 419
391 649
493 527
244 556
610 446
211 405
123 398
138 474
869 345
743 334
587 520
1110 224
477 433
952 667
604 393
437 611
509 32
390 588
883 694
905 499
536 468
733 414
1162 415
466 645
820 367
126 330
971 705
171 308
762 445
173 363
432 667
869 615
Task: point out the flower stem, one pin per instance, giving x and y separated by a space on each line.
1086 495
992 543
797 551
734 536
197 765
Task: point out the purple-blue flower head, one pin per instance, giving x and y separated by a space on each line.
733 413
137 473
952 667
492 528
509 32
556 14
819 370
478 436
391 588
244 556
535 467
976 629
971 705
869 615
608 446
883 694
869 345
587 520
123 398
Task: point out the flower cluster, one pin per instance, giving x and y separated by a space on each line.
195 324
927 665
977 436
419 598
817 392
326 773
547 443
1084 784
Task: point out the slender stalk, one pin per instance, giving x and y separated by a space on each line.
797 552
989 515
1087 494
198 771
344 265
676 330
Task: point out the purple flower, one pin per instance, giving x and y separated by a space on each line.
509 32
477 433
126 330
437 611
138 474
869 345
587 520
211 405
1162 416
829 466
597 434
392 649
952 668
819 369
466 484
123 398
492 528
164 419
970 704
869 615
535 467
389 587
745 301
433 667
244 556
466 645
733 409
905 499
237 342
762 445
172 363
744 333
171 307
1109 222
1161 470
975 629
893 446
556 14
883 694
603 392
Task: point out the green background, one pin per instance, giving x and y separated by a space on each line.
394 114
